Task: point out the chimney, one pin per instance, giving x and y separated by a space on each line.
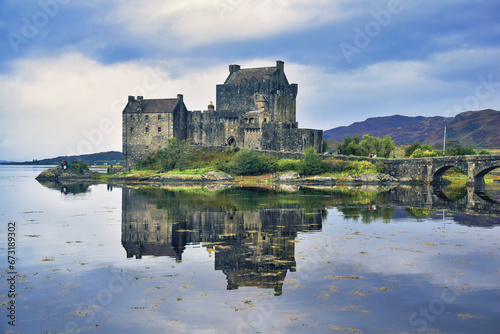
280 65
211 106
234 68
131 98
139 105
180 97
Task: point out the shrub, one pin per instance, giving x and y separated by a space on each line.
419 153
484 152
414 146
311 163
336 166
247 162
459 150
79 167
284 165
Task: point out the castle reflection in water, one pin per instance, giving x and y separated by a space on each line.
253 237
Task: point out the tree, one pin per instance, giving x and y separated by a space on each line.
459 150
388 145
325 146
350 146
414 146
368 145
311 163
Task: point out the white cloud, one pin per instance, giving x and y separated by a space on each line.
433 87
196 22
71 103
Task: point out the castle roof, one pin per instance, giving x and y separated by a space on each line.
247 74
151 106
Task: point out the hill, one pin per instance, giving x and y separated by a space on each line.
471 128
111 157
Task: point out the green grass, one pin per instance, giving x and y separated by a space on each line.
194 171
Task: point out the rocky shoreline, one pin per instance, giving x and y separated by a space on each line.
56 174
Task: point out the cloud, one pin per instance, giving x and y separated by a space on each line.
196 23
443 85
72 104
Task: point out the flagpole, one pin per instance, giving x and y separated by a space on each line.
444 140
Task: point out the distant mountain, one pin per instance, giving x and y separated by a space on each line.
471 128
6 162
402 129
111 157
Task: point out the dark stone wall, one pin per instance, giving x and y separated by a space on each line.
275 137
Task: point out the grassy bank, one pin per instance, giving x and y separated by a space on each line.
194 160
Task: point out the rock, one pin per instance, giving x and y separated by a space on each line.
387 178
216 176
289 176
355 178
57 174
322 178
51 174
369 178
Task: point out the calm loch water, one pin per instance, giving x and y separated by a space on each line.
101 259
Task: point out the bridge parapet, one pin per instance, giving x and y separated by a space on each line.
431 170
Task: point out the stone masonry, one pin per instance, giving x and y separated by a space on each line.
256 109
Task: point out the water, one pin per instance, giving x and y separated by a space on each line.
103 259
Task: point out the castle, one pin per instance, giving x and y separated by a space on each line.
255 109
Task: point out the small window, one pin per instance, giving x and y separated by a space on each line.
159 129
159 117
147 129
131 117
131 130
147 117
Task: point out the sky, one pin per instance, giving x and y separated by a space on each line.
67 66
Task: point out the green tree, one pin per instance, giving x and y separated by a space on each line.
388 146
414 146
325 146
350 146
459 150
311 163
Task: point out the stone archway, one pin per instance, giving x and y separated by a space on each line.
437 175
231 141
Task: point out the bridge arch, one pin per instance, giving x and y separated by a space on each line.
486 170
438 173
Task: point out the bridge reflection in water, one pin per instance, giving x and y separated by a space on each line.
252 232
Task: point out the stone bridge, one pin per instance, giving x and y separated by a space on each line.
431 170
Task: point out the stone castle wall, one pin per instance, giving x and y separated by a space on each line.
144 134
